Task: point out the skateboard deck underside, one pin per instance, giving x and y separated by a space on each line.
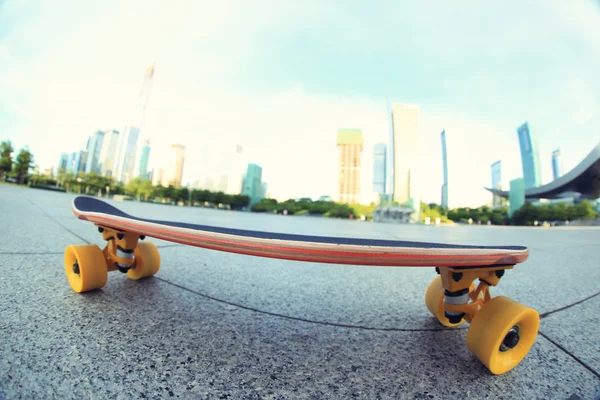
301 247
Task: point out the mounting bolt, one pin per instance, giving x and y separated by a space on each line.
100 229
76 268
457 276
500 273
142 237
120 236
437 270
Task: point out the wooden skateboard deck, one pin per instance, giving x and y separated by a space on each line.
301 247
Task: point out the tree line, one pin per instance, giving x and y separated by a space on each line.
17 169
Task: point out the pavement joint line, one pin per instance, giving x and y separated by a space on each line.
61 225
573 356
326 323
546 314
349 325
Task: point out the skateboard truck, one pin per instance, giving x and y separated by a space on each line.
87 266
501 331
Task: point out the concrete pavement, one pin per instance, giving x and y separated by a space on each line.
219 325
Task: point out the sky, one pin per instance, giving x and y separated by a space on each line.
280 78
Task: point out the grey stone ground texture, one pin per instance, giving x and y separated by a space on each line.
218 325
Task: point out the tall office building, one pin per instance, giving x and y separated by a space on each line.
253 186
516 195
530 157
379 168
94 147
80 161
174 174
158 176
108 153
126 151
71 162
556 164
445 171
496 181
349 142
405 157
142 156
62 163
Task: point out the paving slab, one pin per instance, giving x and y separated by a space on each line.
576 330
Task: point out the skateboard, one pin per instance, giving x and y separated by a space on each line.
501 331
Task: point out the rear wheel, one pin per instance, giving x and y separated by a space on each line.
502 333
85 267
147 261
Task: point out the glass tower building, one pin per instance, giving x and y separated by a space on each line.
556 164
379 168
445 171
253 186
496 181
94 146
530 158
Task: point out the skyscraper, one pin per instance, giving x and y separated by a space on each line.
530 158
174 174
350 144
556 164
516 195
126 150
158 176
405 157
142 156
94 147
445 171
379 168
62 163
72 157
496 181
253 186
80 162
108 153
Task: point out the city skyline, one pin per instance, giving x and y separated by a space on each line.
288 105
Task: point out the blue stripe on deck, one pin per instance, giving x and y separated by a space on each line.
92 205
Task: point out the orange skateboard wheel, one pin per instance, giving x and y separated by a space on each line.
502 333
147 261
85 267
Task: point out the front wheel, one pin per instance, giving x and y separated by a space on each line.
502 333
147 261
85 267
